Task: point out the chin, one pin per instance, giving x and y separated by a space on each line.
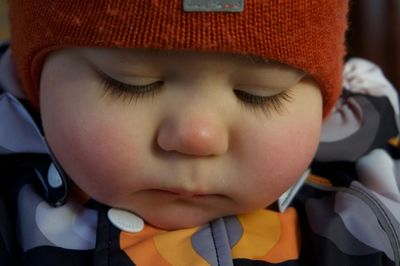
171 212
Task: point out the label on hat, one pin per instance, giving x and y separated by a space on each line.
213 5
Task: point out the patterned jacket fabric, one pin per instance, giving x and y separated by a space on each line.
347 211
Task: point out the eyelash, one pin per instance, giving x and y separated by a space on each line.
129 92
267 104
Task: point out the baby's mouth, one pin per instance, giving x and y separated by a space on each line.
184 193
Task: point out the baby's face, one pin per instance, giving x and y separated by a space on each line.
179 138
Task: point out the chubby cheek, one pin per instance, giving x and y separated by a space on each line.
99 158
278 158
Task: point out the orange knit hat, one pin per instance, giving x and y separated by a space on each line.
306 34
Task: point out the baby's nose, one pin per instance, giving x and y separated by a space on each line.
195 136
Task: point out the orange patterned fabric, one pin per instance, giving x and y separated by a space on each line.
307 34
262 235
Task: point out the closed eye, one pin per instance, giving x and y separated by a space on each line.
267 104
126 91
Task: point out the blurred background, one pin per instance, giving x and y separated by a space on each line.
374 33
4 33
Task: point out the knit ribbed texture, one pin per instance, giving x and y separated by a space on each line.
306 34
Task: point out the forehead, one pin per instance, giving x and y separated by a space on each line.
129 56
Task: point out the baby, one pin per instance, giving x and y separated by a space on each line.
170 132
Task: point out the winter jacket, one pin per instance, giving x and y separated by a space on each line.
344 211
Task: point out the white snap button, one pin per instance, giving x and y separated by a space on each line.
125 221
